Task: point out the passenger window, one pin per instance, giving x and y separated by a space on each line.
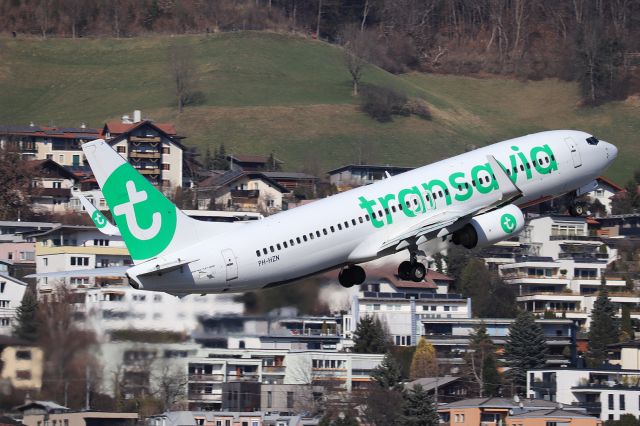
393 208
304 237
353 221
360 219
284 244
546 159
440 194
380 213
346 224
291 242
466 185
272 249
258 253
324 230
386 210
318 234
508 172
553 158
473 182
339 227
428 198
528 166
373 215
298 240
279 247
540 161
311 235
494 177
435 196
332 228
521 167
459 187
264 250
366 216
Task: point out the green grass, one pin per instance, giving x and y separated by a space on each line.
270 92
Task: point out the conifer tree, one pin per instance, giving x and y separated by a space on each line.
419 408
370 337
526 349
481 362
388 374
26 327
604 329
424 362
626 325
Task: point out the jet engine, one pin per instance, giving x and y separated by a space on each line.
490 228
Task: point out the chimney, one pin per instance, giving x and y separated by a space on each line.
31 124
137 116
126 119
83 125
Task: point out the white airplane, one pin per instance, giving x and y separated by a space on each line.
467 200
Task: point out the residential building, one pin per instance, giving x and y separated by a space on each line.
22 363
11 293
66 247
402 305
548 417
626 355
621 225
604 393
449 388
253 163
450 337
492 411
227 418
282 372
60 144
603 193
38 413
52 186
154 149
241 190
353 175
293 181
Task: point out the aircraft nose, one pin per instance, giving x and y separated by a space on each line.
611 150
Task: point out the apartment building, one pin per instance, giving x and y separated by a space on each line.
21 363
67 247
228 418
154 149
11 294
52 186
604 393
450 337
402 305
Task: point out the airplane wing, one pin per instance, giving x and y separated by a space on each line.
101 222
112 271
442 223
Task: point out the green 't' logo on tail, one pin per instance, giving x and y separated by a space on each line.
508 223
99 219
147 220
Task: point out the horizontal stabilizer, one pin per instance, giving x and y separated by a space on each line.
112 271
101 222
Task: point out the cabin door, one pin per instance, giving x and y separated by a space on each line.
575 154
230 264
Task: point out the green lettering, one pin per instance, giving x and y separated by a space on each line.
384 201
440 184
406 207
453 180
482 187
368 206
543 168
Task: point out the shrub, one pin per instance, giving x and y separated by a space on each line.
381 102
419 108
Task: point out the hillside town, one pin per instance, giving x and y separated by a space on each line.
540 326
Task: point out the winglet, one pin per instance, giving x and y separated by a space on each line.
101 222
510 192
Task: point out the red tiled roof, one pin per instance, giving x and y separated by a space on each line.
435 275
610 183
118 127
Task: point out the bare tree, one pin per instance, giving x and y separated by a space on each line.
183 73
358 48
171 384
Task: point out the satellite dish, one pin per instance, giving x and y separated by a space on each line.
516 399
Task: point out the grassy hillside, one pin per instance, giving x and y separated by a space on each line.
268 92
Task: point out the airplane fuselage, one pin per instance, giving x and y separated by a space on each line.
340 229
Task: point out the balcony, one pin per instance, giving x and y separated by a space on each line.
592 408
149 171
206 377
560 237
206 397
53 192
245 193
273 369
144 139
144 154
245 377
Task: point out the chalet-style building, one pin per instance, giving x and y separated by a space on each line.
241 190
52 186
253 163
353 175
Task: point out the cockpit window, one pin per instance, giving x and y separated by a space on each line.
592 140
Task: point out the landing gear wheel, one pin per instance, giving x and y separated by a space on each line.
576 210
351 275
404 270
418 272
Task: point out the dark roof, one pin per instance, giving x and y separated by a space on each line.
45 405
260 159
501 403
50 131
396 169
629 344
50 164
231 176
548 413
610 183
289 175
430 383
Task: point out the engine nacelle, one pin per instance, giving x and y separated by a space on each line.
490 228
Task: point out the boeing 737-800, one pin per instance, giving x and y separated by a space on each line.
469 199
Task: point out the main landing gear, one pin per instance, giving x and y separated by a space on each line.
412 270
351 275
576 209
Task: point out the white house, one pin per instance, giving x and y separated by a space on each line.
11 293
